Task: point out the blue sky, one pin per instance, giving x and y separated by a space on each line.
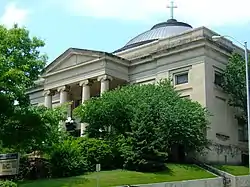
109 24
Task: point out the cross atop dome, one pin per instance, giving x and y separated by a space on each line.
172 7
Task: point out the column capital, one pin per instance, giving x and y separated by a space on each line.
48 93
63 88
85 83
104 78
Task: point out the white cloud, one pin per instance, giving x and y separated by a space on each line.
198 12
13 14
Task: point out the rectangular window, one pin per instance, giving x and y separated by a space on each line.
181 78
218 79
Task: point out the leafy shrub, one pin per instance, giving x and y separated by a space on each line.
24 168
97 152
67 159
116 143
143 151
7 184
152 119
34 168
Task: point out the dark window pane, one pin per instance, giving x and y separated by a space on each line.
218 79
181 79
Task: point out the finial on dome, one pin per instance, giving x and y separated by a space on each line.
172 7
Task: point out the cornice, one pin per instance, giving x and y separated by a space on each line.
169 51
125 63
33 90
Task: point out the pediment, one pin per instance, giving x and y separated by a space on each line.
71 58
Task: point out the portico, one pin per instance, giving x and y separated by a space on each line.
79 92
77 75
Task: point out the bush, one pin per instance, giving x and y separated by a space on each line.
97 152
7 184
24 168
116 143
141 155
34 168
67 159
152 118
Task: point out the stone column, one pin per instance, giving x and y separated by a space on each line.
83 128
105 80
47 99
63 91
85 84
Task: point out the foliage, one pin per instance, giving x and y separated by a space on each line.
96 152
151 118
67 159
25 169
34 128
234 85
144 150
20 65
7 184
4 150
33 168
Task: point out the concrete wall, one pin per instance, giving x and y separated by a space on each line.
233 181
216 182
190 61
222 117
36 96
242 181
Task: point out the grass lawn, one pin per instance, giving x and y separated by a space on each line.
175 172
234 170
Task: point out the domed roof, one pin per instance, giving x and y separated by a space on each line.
161 30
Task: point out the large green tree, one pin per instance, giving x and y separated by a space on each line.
20 63
21 125
234 84
150 118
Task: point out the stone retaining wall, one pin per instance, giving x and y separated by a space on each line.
214 182
224 180
242 181
233 181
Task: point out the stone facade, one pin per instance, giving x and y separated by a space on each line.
191 59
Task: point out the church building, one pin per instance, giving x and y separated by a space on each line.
170 49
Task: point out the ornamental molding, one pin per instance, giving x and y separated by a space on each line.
104 78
